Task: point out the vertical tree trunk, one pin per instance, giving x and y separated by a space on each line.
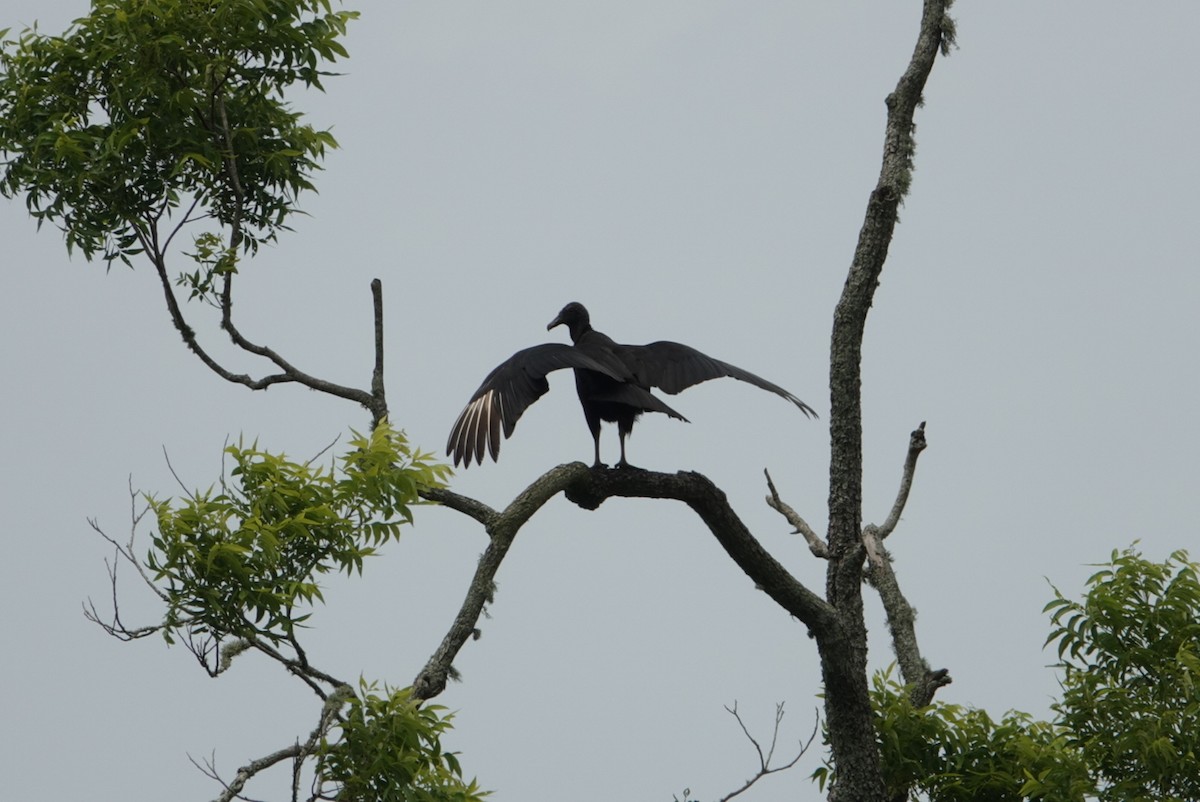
855 755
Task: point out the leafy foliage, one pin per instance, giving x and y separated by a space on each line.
147 116
388 749
953 753
243 559
1127 728
146 107
1130 657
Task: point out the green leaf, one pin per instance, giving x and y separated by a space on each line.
244 562
139 109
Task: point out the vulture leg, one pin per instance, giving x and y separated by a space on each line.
624 429
593 422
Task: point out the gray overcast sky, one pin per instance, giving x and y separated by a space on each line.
693 171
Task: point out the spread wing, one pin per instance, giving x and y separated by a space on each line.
505 395
674 367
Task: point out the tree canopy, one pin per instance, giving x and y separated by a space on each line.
147 109
1130 659
1125 728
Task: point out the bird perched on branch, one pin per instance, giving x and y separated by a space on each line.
613 382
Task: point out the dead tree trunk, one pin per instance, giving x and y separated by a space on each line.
844 652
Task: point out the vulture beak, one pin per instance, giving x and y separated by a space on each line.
558 321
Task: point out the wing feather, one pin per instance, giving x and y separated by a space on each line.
505 395
674 367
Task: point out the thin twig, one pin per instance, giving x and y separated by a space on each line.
816 544
156 253
300 668
297 752
764 762
171 468
182 221
317 456
733 711
135 522
123 552
234 788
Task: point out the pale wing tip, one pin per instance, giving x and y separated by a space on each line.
476 432
459 446
454 447
495 416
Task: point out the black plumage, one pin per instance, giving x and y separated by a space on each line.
613 382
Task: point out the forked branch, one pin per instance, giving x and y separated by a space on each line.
901 616
156 251
880 575
502 528
764 758
215 653
374 401
816 544
589 488
297 753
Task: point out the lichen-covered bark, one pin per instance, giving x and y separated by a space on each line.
844 659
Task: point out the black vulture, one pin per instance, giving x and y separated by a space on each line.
613 382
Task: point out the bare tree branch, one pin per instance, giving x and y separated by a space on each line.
815 543
710 503
378 395
297 752
289 370
189 335
880 575
502 529
916 444
299 667
114 626
764 761
183 220
850 316
290 374
467 506
589 488
901 618
148 236
233 788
